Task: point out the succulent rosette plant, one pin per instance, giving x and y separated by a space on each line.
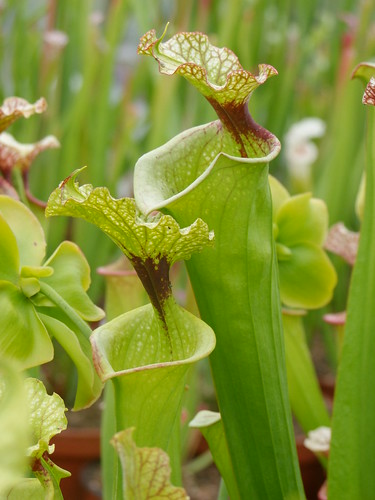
307 276
44 298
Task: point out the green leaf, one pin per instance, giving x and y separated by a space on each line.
13 425
211 426
146 471
352 461
26 229
46 417
9 256
88 385
307 277
302 219
23 338
279 195
71 280
16 107
305 395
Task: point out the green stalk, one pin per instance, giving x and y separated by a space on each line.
306 398
82 326
352 460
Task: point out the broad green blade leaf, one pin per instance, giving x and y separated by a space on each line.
307 277
9 256
16 107
352 459
13 153
146 471
71 279
306 398
211 426
13 425
88 385
155 237
27 230
23 338
46 416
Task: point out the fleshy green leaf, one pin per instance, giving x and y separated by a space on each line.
302 219
211 426
26 229
89 386
24 338
71 279
307 278
9 256
13 425
146 471
16 107
46 416
279 195
155 237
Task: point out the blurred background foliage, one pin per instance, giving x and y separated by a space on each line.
107 106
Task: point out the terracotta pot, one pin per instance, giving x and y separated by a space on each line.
313 474
75 448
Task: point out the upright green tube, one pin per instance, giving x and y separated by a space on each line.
219 172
